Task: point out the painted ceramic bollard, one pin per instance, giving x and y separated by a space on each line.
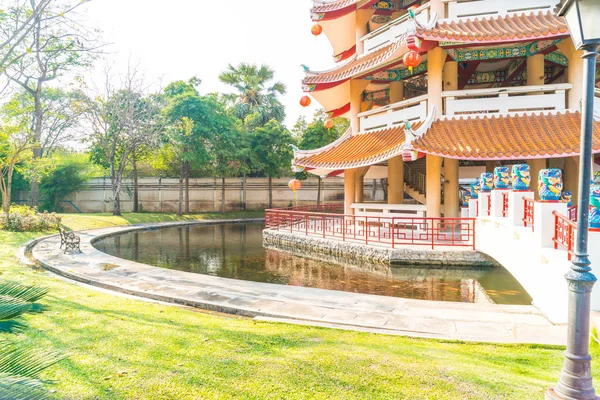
550 184
487 182
464 198
501 178
475 189
595 207
521 177
567 197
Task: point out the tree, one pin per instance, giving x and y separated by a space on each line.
70 174
255 100
57 43
17 20
186 144
122 119
16 144
271 152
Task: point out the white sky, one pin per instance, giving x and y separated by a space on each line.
178 39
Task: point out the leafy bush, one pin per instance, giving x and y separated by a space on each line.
69 175
26 219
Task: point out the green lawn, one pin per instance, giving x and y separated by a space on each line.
120 348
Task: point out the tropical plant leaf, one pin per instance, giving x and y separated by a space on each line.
21 388
11 307
23 292
23 361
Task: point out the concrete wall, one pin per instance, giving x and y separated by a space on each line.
205 194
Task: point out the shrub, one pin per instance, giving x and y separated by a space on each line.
27 219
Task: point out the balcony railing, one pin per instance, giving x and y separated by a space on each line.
394 114
564 233
528 213
478 8
505 100
384 231
393 30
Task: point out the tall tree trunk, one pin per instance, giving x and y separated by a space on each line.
187 187
319 194
116 202
223 194
136 207
7 190
181 179
34 191
270 192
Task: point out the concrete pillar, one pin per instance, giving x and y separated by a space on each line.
490 166
451 190
396 180
571 177
450 75
535 70
435 65
433 186
438 6
574 73
536 166
357 87
362 18
359 186
396 92
349 181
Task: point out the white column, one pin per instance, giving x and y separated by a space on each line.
516 207
473 208
497 199
484 203
543 221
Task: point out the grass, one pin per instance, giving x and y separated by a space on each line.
122 348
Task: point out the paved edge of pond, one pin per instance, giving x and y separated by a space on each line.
318 307
360 254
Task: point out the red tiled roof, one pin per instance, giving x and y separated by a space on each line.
361 65
535 135
507 28
340 5
360 150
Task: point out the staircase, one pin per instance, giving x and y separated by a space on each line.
414 180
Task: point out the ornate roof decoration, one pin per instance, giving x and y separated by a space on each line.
509 137
506 28
323 11
363 149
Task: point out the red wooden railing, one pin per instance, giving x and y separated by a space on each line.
573 213
384 230
564 233
505 204
335 208
528 213
489 206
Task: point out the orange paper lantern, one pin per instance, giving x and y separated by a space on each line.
316 29
295 185
329 124
412 59
305 101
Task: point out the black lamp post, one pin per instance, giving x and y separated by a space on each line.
575 380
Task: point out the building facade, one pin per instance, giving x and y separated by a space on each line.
435 88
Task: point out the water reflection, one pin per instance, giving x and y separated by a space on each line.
235 251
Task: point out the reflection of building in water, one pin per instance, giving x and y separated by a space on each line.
427 283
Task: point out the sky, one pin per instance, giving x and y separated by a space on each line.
177 39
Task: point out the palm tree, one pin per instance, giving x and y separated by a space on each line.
254 97
20 364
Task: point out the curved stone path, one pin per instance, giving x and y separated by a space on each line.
421 318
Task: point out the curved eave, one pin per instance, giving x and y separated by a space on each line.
496 29
515 136
336 9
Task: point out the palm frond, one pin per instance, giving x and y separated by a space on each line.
21 360
11 307
11 326
21 388
23 292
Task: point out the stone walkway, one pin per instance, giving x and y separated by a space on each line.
380 314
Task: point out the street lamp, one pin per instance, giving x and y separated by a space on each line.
575 380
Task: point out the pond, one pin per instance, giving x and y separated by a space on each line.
235 251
